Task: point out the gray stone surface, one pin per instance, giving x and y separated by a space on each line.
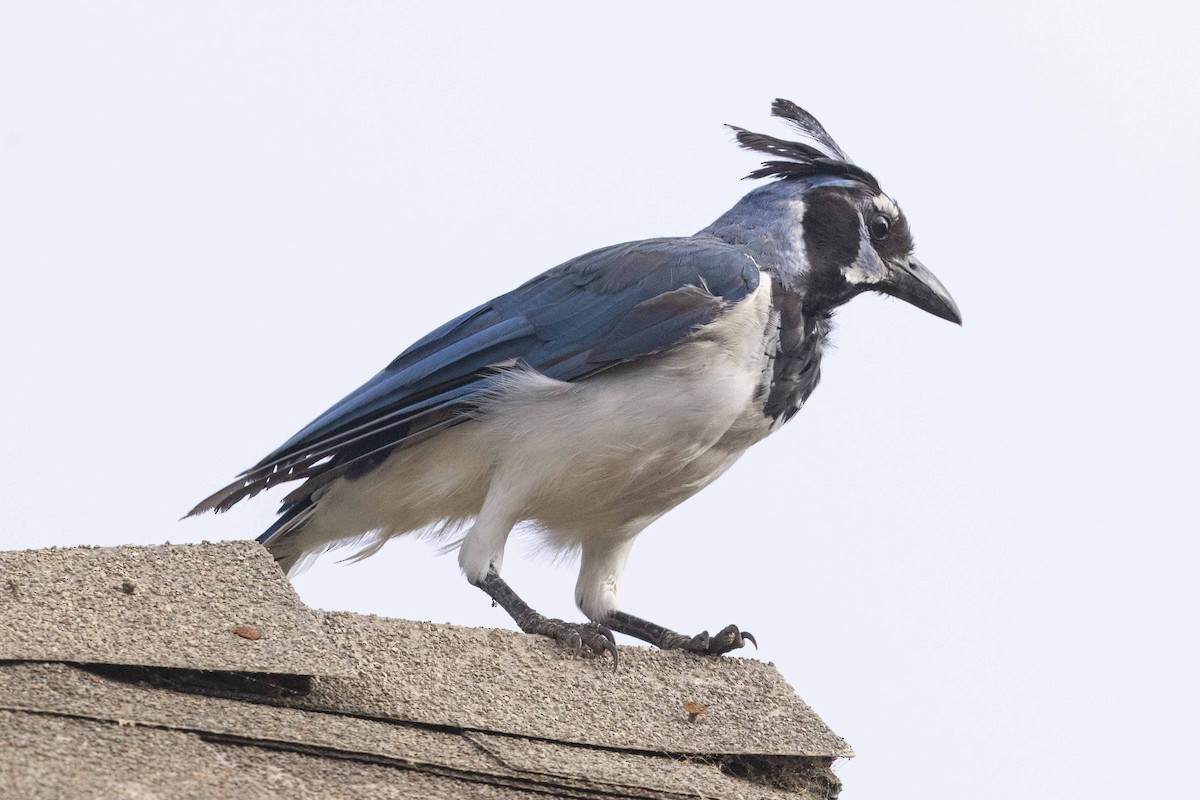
168 606
499 681
395 709
63 689
45 757
61 692
621 770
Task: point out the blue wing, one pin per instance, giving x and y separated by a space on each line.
609 306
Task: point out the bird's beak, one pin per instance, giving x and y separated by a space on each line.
911 282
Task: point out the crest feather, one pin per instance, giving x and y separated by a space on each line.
819 156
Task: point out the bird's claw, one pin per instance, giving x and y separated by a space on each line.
727 639
610 645
579 635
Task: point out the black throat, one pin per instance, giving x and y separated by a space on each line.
795 347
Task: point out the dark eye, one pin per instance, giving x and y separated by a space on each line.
881 226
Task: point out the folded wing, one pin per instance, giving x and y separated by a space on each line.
610 306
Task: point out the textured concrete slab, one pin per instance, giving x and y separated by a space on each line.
396 708
503 682
200 607
63 689
620 771
44 757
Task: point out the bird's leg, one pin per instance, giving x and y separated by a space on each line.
603 559
728 638
575 635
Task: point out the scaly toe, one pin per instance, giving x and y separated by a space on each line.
578 636
730 638
727 639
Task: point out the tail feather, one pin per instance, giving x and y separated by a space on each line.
280 535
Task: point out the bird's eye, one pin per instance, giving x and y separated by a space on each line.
881 226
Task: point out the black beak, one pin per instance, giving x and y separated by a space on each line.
911 282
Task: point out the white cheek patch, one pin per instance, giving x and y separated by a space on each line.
865 269
856 274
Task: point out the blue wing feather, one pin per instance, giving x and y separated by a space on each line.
612 305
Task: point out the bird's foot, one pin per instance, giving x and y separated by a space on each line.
727 639
577 636
595 638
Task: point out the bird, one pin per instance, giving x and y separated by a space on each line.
600 394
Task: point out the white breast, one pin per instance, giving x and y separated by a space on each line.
636 440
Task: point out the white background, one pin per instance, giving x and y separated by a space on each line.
974 552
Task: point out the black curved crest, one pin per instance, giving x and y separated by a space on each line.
819 156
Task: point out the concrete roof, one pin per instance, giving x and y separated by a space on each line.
169 606
487 679
110 692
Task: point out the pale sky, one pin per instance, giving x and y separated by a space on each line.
973 552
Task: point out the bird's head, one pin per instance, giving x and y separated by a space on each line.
838 233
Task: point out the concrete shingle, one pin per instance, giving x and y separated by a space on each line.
45 757
169 606
503 682
623 770
63 689
59 691
395 709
